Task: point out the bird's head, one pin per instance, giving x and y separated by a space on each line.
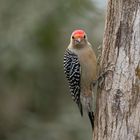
78 38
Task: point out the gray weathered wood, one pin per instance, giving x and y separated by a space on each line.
118 100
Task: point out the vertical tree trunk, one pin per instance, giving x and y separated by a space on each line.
118 100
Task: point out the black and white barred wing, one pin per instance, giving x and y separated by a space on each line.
72 71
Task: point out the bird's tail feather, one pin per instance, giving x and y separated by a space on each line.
80 108
91 117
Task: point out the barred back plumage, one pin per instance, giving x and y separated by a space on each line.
72 72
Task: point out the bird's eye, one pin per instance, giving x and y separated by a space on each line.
84 36
72 37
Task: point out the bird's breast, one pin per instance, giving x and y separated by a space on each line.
87 61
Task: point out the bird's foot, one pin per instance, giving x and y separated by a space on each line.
101 78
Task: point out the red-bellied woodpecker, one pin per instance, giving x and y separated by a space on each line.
80 69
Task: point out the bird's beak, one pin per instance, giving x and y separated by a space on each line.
78 40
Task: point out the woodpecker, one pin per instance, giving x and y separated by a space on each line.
80 69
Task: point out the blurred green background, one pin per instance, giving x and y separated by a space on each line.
35 103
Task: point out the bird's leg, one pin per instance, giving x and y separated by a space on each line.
102 75
100 79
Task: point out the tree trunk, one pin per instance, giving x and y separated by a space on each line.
118 100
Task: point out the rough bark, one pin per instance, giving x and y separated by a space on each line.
118 99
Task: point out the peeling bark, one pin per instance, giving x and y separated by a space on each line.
118 100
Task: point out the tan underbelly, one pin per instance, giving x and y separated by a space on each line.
88 70
88 74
